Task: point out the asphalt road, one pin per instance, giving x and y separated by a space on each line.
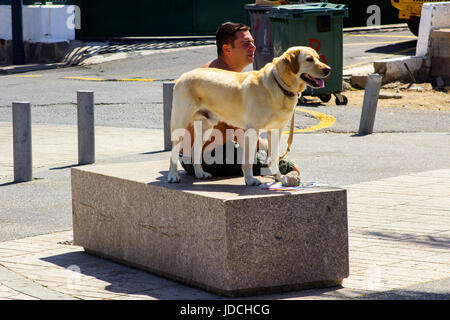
337 159
364 47
138 104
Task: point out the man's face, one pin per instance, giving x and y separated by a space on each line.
243 51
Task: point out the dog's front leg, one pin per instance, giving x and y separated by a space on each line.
250 141
273 152
197 150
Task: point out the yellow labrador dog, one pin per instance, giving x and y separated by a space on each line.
263 99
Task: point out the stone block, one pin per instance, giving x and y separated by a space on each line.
440 54
394 69
6 52
434 16
217 234
358 81
34 52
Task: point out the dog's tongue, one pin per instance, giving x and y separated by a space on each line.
319 82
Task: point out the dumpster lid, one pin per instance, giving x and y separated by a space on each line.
258 7
288 11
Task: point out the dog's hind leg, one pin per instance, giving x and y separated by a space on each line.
180 120
177 138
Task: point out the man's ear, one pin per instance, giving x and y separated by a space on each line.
292 61
226 48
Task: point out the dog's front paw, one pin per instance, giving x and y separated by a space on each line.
277 176
252 181
173 178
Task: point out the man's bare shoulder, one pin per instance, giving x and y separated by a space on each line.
216 63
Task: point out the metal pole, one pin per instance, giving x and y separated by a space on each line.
17 32
86 135
369 109
167 112
23 168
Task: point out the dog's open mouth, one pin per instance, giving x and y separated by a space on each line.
313 82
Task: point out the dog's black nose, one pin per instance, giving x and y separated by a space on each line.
326 71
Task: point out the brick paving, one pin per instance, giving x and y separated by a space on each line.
399 235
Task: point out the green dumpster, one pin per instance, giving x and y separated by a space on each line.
315 25
261 30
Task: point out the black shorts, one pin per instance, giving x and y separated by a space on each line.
235 168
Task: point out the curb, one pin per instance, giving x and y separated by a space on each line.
30 67
377 28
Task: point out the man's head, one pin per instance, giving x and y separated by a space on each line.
235 44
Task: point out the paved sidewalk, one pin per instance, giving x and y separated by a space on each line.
399 236
55 145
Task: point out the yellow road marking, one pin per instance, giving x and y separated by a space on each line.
100 79
27 76
84 78
149 80
325 121
379 36
356 64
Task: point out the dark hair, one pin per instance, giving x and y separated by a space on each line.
226 34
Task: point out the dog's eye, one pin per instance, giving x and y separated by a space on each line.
309 59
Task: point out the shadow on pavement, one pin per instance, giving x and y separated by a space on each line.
121 279
117 278
393 48
425 240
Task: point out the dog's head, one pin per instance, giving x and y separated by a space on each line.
304 63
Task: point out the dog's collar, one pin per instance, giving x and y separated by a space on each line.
282 85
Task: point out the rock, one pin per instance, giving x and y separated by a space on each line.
394 69
359 81
395 85
346 86
388 95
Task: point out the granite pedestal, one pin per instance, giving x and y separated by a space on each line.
217 234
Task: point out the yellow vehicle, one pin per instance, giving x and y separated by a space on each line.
410 10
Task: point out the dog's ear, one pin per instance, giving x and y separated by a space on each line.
292 61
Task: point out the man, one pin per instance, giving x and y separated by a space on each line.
235 50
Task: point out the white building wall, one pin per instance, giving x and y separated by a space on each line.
433 16
41 23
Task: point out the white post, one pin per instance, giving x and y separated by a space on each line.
86 135
167 112
369 109
23 164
